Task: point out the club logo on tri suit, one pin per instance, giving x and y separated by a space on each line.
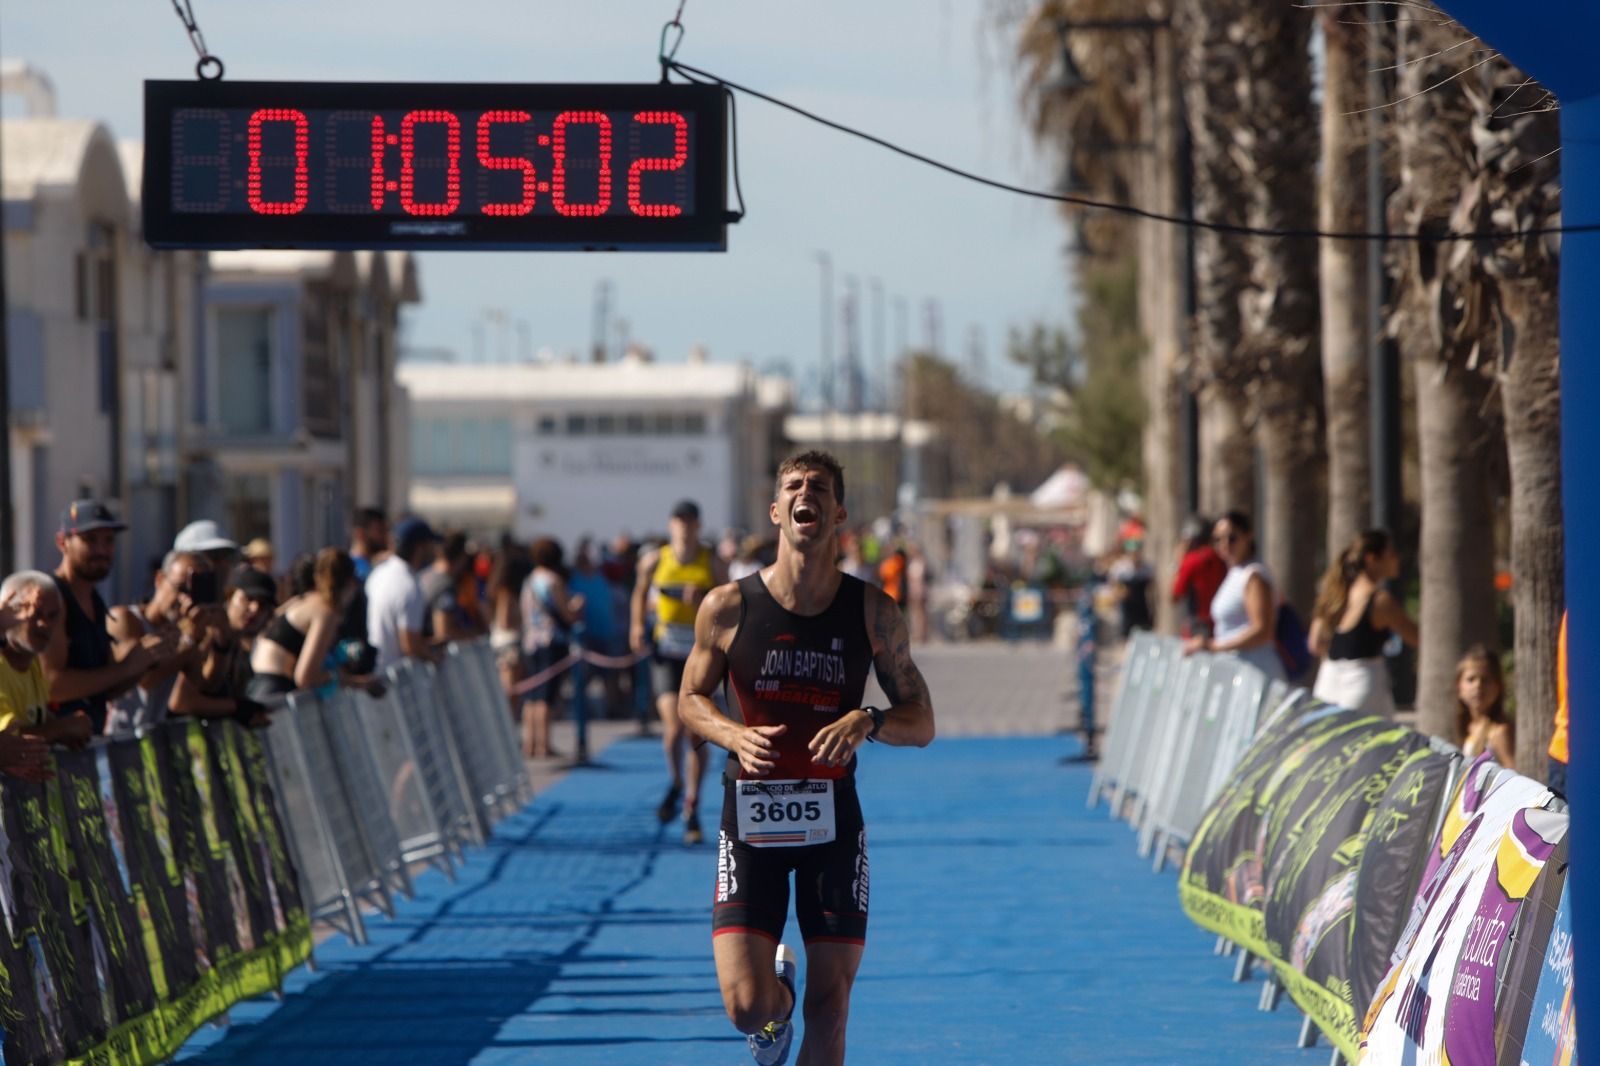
727 865
861 886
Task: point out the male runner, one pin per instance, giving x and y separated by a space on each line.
680 573
796 640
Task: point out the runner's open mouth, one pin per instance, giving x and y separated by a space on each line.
804 514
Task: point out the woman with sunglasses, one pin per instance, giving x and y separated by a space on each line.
1245 609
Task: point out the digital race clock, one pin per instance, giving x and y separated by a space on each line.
350 165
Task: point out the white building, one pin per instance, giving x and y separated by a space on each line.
574 449
256 388
294 417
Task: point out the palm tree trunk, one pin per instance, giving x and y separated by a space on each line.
1280 312
1531 388
1228 476
1457 544
1341 205
1211 59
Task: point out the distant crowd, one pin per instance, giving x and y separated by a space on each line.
229 630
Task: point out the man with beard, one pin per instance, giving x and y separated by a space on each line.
796 640
84 667
29 608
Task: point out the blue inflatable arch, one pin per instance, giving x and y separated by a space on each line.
1555 42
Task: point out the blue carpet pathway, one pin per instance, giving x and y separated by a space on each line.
1009 925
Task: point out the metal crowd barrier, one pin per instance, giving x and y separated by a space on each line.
1179 726
370 785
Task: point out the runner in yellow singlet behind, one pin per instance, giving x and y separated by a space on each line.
678 574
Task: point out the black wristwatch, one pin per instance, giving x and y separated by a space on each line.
877 716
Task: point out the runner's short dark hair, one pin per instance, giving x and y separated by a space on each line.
814 459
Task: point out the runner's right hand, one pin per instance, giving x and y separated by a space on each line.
755 749
636 638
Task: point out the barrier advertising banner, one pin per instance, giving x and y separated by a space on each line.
1279 854
144 889
1398 835
1536 1005
1438 1001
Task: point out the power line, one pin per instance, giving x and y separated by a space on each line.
705 77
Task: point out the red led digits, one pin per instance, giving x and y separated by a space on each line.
680 153
494 162
380 142
302 144
558 176
408 170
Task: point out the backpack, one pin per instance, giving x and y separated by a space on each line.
1290 634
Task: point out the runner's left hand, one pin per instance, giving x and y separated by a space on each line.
836 742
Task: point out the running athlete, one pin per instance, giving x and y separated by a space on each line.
796 640
680 573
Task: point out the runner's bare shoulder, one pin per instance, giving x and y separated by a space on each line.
720 610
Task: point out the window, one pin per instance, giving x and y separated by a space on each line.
605 425
577 425
634 425
692 425
497 446
469 446
662 425
548 426
244 365
248 501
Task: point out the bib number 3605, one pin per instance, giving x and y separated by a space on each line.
785 814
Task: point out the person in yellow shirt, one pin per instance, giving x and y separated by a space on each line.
679 574
1556 776
30 606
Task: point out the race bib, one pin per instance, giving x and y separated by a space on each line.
785 814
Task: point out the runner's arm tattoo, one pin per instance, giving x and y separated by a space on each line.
911 720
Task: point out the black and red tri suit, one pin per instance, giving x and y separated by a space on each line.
802 672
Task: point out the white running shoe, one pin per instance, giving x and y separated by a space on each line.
769 1045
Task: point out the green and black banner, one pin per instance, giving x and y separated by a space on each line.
145 889
1276 862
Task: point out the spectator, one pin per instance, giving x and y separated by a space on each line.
369 540
207 538
1200 573
396 609
1481 722
447 618
1352 621
218 683
292 652
84 668
30 606
917 591
1131 577
301 578
550 613
252 597
258 555
185 585
511 568
601 631
892 575
1557 770
1245 608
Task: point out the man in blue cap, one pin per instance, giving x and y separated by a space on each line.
85 668
396 607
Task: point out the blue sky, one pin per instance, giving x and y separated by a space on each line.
932 74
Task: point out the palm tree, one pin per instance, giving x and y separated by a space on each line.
1515 136
1342 269
1277 152
1118 136
1444 320
1221 262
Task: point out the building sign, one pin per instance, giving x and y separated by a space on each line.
356 165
